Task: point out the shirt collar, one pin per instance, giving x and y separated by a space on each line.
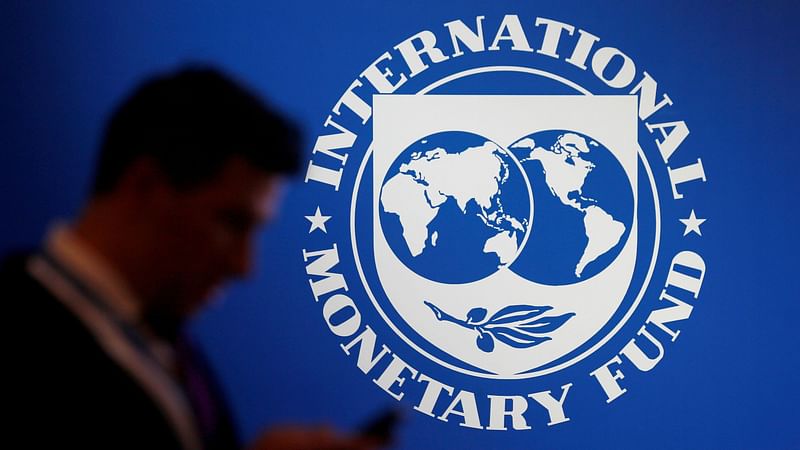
96 272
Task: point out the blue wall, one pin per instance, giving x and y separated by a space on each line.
731 68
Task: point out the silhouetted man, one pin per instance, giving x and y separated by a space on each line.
189 169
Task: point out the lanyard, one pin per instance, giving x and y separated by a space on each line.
133 335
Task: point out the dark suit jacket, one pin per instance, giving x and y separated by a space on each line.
65 391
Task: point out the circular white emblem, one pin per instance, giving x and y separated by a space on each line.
488 233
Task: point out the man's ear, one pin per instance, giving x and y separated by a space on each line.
145 179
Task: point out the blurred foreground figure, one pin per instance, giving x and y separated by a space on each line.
190 168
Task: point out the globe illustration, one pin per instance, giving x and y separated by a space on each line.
584 207
455 207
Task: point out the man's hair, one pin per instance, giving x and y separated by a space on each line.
191 123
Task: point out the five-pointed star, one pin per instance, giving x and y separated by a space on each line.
692 224
318 221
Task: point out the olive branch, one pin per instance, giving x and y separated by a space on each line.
519 326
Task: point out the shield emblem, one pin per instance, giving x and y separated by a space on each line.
504 227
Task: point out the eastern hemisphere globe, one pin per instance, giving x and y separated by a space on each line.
584 207
455 207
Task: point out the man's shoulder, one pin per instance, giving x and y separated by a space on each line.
33 312
61 373
14 276
50 341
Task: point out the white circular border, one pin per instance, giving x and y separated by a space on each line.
525 375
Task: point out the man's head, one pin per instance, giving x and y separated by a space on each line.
190 167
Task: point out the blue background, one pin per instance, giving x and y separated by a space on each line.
729 381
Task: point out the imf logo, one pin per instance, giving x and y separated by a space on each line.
501 223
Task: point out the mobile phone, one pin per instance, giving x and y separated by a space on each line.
382 427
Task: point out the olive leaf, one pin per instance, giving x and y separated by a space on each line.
518 312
